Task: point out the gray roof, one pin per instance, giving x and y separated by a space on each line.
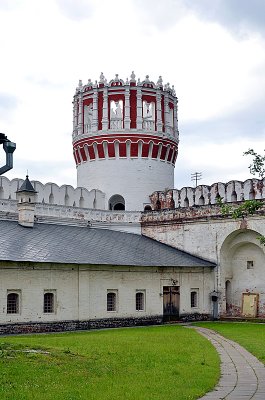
26 186
49 243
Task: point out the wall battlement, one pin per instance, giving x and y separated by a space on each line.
232 191
66 195
51 193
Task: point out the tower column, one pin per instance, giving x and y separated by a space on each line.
95 110
105 113
80 115
167 130
175 126
75 116
127 120
139 118
159 123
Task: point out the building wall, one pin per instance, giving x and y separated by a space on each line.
242 261
124 221
81 291
204 232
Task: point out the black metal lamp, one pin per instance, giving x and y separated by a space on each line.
9 148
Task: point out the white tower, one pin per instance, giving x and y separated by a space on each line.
125 139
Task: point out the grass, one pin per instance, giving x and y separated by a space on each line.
249 335
140 363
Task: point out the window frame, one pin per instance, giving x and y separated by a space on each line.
250 264
114 306
53 293
17 293
142 293
194 298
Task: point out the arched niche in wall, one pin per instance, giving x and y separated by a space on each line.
242 265
116 202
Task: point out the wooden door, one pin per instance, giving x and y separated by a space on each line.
250 304
171 303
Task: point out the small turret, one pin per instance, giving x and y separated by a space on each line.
26 197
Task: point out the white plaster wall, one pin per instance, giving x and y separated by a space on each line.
207 238
239 248
81 292
247 280
50 193
134 179
125 221
202 237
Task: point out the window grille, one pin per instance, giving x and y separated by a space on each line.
194 299
12 303
111 301
250 264
139 301
48 303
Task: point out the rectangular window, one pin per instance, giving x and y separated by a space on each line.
49 302
140 301
194 298
12 303
250 264
112 300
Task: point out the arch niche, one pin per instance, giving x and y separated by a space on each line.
242 260
116 202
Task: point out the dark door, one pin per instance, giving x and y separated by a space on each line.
170 303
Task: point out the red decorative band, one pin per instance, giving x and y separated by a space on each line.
125 146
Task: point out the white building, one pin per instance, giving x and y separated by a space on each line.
92 257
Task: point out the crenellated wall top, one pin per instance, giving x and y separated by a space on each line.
231 192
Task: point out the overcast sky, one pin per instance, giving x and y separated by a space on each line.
213 51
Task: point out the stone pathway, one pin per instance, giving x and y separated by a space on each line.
242 374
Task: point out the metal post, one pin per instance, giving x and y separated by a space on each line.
9 148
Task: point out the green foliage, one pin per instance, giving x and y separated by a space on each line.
124 364
248 207
257 166
261 238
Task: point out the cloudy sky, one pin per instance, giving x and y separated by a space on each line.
213 51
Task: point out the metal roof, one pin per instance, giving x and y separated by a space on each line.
26 186
77 245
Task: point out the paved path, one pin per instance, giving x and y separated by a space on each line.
242 374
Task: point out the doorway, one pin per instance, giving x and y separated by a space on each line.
171 303
250 304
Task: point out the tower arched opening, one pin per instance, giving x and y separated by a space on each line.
117 202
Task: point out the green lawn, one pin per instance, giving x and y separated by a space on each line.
167 362
249 335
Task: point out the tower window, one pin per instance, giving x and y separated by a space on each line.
116 202
147 208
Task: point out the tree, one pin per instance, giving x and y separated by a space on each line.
258 163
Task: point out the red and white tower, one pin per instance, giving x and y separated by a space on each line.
125 139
